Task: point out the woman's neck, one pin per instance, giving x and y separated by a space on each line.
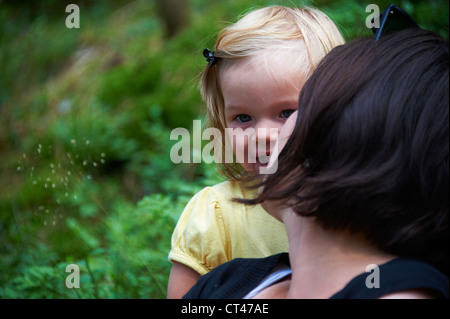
324 261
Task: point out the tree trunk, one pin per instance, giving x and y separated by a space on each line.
174 14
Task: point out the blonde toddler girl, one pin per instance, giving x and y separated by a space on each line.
251 84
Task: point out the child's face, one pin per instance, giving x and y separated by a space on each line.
260 96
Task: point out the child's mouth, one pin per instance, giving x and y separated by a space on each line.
263 160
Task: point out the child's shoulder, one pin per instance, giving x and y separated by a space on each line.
224 192
233 189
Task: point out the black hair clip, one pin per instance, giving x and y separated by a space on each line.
210 57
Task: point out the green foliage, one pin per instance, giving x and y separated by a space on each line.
123 256
85 120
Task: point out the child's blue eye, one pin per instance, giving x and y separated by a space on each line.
286 113
243 118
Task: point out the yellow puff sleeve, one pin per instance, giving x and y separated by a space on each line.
199 239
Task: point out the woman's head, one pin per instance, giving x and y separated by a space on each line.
370 152
279 42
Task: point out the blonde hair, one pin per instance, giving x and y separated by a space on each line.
273 27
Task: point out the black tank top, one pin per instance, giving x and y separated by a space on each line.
394 276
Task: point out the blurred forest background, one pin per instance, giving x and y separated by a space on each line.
85 121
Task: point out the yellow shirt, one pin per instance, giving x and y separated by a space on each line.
213 230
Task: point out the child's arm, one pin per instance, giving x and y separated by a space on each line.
181 279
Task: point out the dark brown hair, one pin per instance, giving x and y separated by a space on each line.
370 151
